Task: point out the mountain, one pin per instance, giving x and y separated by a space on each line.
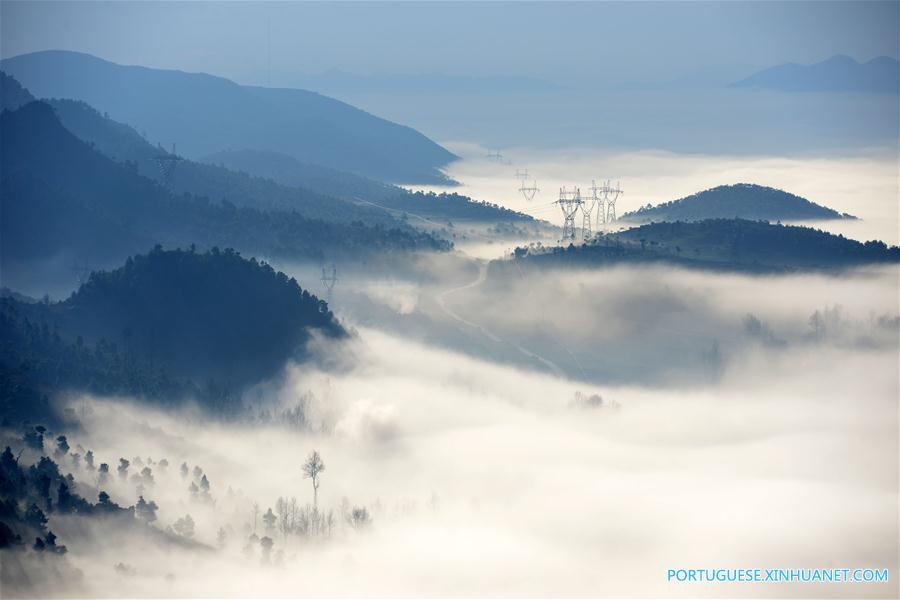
199 315
61 198
167 326
288 171
837 74
741 200
125 145
12 94
203 114
270 180
721 244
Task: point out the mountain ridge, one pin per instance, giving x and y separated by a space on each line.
839 73
204 113
728 245
741 200
63 200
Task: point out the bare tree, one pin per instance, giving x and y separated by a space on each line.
311 470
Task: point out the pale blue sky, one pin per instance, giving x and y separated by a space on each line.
562 42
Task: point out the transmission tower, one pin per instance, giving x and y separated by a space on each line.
529 190
598 195
166 164
569 202
329 280
495 155
522 175
587 207
611 194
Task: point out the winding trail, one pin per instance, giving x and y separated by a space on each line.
482 276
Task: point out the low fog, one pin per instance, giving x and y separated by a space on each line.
485 471
863 183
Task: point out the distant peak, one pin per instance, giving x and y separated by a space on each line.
840 59
64 53
884 60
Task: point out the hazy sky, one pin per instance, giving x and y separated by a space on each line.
615 42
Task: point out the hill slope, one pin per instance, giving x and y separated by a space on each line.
205 114
12 94
125 145
166 326
199 314
59 196
722 244
837 74
288 171
271 180
742 200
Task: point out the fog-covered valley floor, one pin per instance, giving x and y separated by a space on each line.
565 434
860 181
313 300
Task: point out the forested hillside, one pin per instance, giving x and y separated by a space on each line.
12 94
124 145
165 326
62 197
722 244
741 201
288 171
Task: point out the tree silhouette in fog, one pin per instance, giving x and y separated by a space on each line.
313 466
145 511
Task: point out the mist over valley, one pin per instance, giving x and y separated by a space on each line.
434 315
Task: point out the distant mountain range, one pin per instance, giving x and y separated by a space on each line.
367 192
204 114
126 146
289 171
263 179
63 200
741 200
837 74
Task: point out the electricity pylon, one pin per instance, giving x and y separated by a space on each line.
329 280
598 196
529 191
569 202
587 207
611 194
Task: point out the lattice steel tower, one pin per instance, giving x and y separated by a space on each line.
598 196
529 191
587 208
611 195
569 202
329 280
